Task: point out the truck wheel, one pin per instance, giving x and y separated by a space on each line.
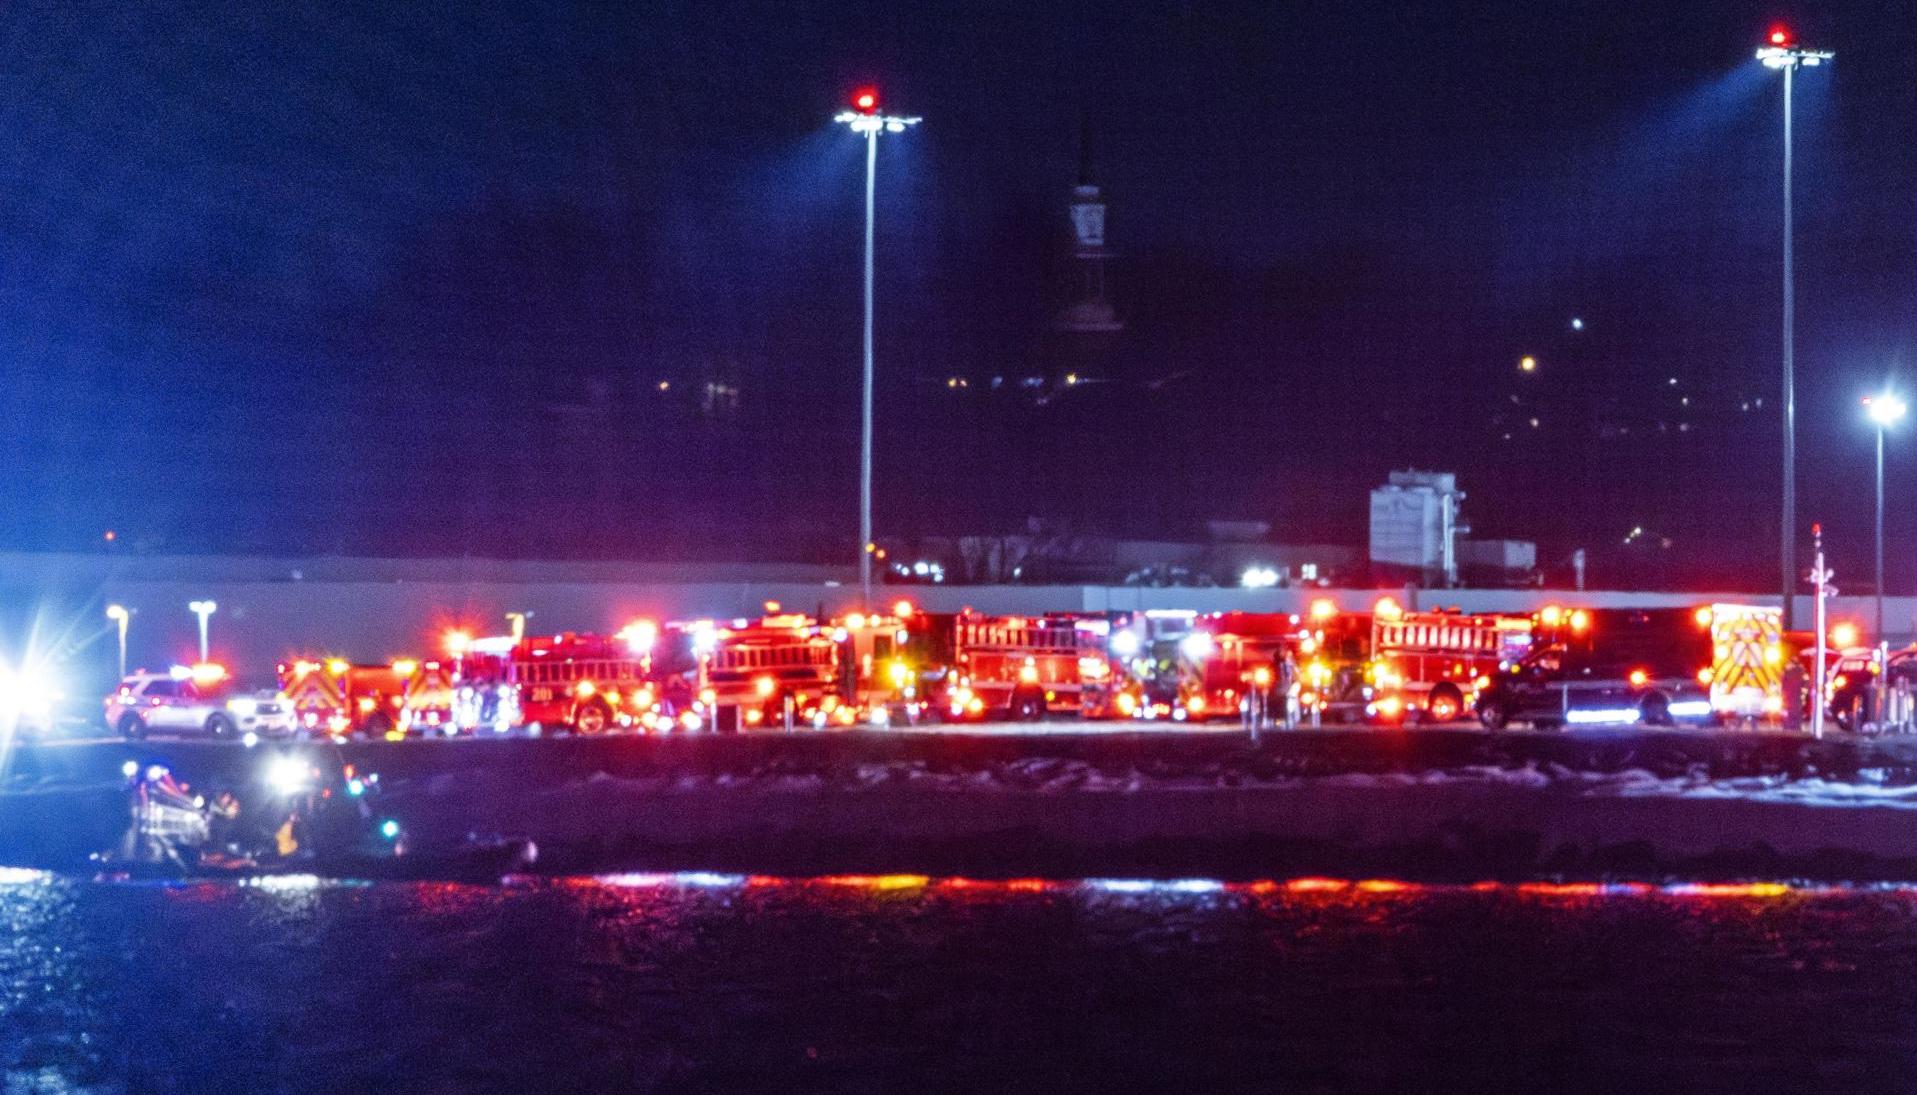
219 725
1028 708
592 718
1494 715
1655 711
376 725
132 727
1444 705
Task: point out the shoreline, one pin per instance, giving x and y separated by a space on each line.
1440 807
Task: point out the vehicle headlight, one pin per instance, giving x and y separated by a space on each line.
25 692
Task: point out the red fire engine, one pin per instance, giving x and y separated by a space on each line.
742 673
883 662
1022 667
1431 665
1334 651
1242 653
588 683
335 697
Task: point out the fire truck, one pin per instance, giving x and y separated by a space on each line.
1158 660
884 663
1024 667
587 683
484 697
1430 665
428 689
1334 652
690 675
743 674
1242 653
1657 666
335 697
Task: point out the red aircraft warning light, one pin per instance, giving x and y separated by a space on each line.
866 99
1780 36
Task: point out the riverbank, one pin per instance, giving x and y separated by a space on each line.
1429 805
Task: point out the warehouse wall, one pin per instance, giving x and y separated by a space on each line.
377 609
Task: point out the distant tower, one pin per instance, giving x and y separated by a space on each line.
1090 312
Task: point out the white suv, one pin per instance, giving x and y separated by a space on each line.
195 703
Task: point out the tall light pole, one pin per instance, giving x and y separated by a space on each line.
203 609
1885 410
1784 53
119 615
866 121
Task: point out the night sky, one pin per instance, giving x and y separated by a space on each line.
409 278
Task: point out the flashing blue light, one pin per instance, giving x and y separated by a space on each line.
1602 716
389 829
355 787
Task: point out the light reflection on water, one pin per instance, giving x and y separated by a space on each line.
1208 886
719 981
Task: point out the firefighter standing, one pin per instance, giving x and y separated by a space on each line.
1288 688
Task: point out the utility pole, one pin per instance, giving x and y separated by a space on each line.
1783 53
866 121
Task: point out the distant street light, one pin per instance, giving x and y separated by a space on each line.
1885 410
119 615
866 120
1784 53
203 609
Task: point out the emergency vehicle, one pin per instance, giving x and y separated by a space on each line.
1747 660
742 674
1158 660
484 698
1243 653
194 699
1334 654
884 662
1430 665
337 698
583 682
1658 666
1319 660
1853 689
1024 667
428 690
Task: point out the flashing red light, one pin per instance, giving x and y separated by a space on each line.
1780 36
866 100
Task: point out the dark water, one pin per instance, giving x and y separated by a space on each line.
709 983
